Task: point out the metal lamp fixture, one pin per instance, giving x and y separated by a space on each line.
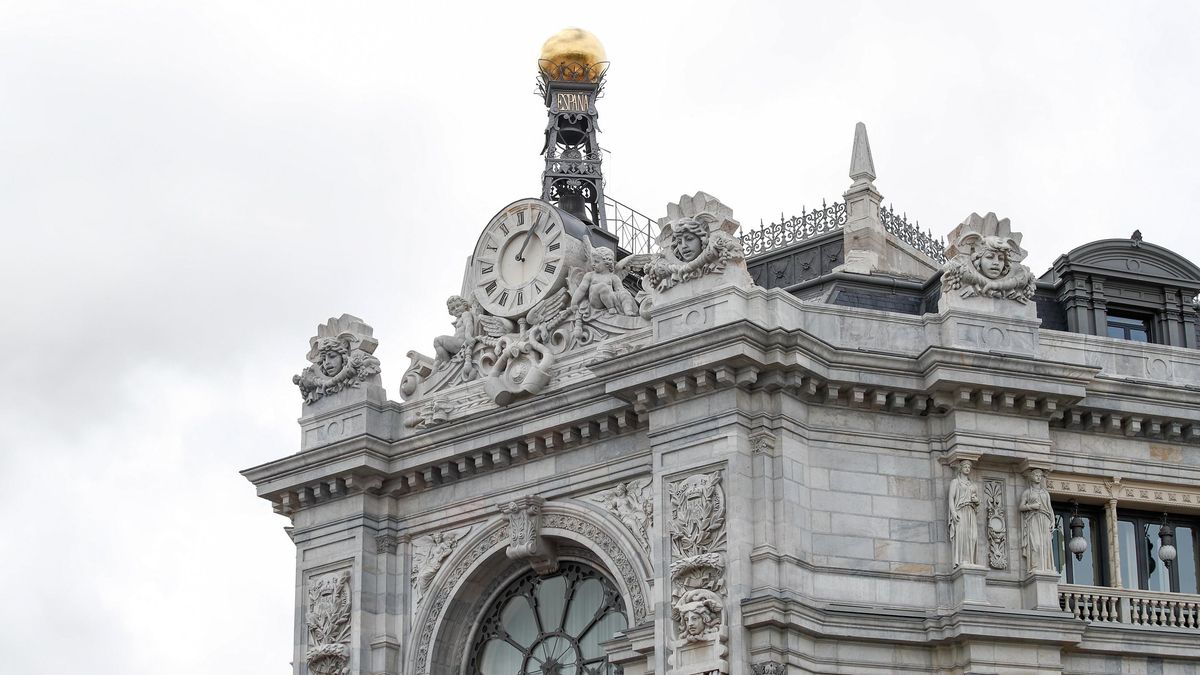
1078 545
1166 542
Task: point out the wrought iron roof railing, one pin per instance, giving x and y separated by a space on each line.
636 232
911 234
809 224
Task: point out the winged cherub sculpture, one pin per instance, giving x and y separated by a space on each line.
601 288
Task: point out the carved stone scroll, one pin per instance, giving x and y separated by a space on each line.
328 621
525 534
997 523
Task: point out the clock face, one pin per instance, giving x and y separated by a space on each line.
520 258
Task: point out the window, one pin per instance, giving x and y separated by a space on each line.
1088 571
1141 566
1129 327
552 624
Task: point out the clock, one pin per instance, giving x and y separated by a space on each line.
522 257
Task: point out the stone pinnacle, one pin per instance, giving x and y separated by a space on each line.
862 167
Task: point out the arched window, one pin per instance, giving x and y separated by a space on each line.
551 625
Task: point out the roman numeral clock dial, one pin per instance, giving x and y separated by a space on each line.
522 257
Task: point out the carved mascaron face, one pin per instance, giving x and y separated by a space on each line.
330 358
992 258
687 239
694 622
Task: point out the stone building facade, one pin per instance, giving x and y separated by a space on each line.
832 445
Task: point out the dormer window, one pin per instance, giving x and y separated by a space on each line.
1129 326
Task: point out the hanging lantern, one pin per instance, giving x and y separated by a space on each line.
1078 545
1166 542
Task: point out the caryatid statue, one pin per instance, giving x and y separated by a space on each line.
1037 525
964 524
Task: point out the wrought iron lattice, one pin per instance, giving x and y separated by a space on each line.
550 625
636 232
767 238
897 224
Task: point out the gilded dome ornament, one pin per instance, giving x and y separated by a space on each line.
573 54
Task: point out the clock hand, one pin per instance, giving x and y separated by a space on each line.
525 245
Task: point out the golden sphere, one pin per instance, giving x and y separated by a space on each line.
572 53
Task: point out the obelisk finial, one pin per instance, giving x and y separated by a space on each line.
862 167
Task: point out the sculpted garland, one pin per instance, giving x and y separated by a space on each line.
541 290
341 358
984 259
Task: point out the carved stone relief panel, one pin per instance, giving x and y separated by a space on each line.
698 560
630 503
429 553
327 618
997 523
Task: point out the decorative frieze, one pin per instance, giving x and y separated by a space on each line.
1127 492
769 668
327 618
997 523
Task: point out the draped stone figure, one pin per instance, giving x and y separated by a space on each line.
964 527
1037 525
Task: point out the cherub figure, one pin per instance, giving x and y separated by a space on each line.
447 347
601 287
698 612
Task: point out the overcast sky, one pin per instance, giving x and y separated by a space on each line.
187 190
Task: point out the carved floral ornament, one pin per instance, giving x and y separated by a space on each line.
328 621
341 358
984 259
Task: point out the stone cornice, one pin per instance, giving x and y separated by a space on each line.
909 625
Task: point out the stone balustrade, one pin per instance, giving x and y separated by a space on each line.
1133 607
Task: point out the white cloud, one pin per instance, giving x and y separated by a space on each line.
187 190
